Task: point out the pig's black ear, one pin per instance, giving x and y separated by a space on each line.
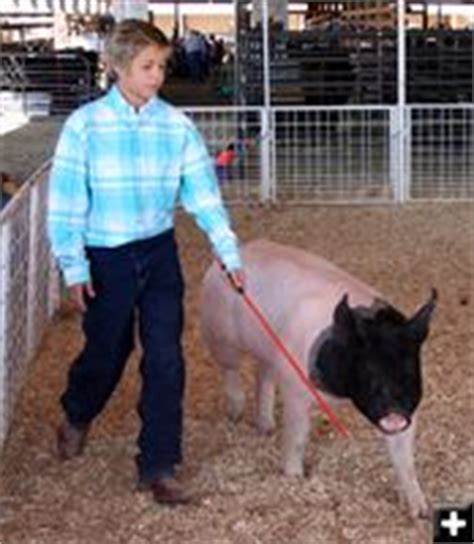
343 318
418 325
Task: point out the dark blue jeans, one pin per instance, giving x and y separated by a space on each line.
141 279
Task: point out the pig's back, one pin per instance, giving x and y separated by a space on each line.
293 288
298 273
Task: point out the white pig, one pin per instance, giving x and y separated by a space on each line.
367 352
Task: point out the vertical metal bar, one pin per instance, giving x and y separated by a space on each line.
267 94
339 120
328 155
465 138
370 145
394 151
272 146
32 271
265 156
401 73
351 168
236 84
266 55
53 276
4 291
406 150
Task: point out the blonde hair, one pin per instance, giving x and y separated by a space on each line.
128 38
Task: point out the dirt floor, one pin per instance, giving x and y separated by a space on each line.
349 495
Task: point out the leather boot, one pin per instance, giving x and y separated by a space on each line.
167 490
71 440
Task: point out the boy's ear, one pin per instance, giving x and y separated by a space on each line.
112 68
109 68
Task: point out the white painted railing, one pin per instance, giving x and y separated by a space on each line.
29 287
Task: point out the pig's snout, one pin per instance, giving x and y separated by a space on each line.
394 423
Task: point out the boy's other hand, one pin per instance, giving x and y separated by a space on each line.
238 278
78 293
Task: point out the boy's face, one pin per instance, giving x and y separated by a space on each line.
141 79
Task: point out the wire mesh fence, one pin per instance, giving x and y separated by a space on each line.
342 154
333 154
441 152
238 141
28 287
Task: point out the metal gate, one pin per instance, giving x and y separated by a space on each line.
397 122
351 154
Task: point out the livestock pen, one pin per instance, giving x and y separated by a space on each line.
383 188
348 494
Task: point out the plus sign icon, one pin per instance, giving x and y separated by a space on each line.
453 524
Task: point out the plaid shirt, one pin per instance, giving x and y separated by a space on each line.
117 175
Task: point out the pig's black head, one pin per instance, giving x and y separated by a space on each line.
377 354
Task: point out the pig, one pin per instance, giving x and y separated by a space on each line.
351 343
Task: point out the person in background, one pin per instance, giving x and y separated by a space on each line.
193 50
224 162
121 164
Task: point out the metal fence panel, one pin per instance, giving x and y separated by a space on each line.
244 130
343 154
4 390
334 154
27 288
41 270
441 152
15 239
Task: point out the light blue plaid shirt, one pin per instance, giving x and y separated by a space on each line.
117 175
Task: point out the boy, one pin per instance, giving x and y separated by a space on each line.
120 165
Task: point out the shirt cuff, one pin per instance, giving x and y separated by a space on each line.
231 260
77 274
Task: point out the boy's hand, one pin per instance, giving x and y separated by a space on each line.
78 293
237 277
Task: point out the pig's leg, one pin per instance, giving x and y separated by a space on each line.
401 448
265 398
235 397
229 359
296 425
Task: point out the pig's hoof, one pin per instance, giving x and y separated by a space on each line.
265 426
235 408
420 509
293 471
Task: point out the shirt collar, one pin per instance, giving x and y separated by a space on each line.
121 105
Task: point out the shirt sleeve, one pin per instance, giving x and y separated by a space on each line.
201 197
68 204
